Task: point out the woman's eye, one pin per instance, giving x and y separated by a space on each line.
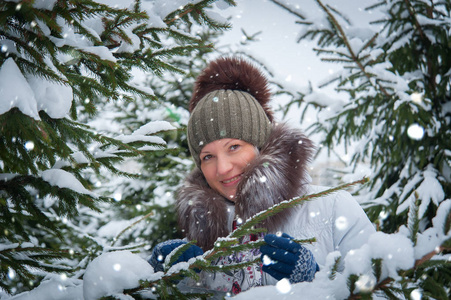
234 147
206 157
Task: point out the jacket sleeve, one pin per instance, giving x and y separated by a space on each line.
351 227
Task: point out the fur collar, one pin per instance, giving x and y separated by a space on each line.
278 173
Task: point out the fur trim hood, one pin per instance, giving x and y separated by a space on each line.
278 173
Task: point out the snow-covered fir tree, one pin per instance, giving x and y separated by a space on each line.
397 118
58 61
152 193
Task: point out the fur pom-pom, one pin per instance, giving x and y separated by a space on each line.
232 73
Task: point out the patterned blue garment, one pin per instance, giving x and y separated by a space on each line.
284 258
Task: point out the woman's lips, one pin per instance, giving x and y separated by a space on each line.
231 181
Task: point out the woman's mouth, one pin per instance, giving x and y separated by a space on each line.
231 179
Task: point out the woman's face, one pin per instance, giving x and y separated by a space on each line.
223 162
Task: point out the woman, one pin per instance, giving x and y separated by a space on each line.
247 163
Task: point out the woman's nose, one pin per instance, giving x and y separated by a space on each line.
224 165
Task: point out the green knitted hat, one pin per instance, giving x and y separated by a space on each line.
230 100
227 114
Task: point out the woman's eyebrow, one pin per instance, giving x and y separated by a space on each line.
230 141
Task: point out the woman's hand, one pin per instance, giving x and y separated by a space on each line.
284 258
162 250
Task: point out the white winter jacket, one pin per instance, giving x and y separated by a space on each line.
336 221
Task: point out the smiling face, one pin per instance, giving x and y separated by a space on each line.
223 162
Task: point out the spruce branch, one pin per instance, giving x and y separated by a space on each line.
413 221
335 267
412 14
425 39
23 260
386 284
258 218
130 226
196 10
172 258
287 8
345 40
181 13
430 255
377 268
33 208
235 266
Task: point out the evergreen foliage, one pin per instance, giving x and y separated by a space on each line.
397 119
51 165
160 172
397 80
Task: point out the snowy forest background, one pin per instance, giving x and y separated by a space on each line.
93 104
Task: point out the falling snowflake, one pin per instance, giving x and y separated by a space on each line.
29 145
341 223
415 131
283 286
